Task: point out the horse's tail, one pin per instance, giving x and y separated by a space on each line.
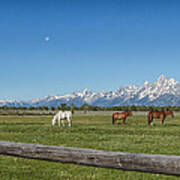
69 114
71 120
149 117
113 119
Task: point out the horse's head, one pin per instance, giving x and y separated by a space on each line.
172 114
129 113
168 112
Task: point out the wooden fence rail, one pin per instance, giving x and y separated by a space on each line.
161 164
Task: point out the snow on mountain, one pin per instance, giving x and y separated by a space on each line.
159 93
159 88
14 103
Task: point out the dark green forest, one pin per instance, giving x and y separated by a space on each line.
86 107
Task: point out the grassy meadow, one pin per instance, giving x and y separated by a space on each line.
93 131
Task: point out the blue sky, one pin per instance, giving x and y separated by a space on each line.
98 45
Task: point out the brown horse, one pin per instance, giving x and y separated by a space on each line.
120 116
158 114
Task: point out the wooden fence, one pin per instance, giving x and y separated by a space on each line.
161 164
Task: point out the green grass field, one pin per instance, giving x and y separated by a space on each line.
88 131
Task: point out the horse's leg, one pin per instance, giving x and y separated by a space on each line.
68 120
53 121
124 120
59 121
163 120
70 123
63 122
114 121
150 119
152 124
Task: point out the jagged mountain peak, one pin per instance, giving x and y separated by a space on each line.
172 81
86 92
162 77
155 93
146 83
161 80
131 87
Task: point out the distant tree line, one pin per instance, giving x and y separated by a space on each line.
86 107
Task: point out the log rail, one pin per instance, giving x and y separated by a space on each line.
160 164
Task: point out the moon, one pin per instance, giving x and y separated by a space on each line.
47 38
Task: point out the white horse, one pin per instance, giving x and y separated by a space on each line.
61 116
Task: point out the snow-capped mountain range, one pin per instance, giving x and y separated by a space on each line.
159 93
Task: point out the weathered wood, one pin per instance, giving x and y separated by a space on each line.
161 164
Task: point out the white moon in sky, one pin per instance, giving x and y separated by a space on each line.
47 38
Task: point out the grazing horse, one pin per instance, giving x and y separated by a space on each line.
61 116
120 116
158 114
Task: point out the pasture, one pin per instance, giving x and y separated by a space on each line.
93 131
